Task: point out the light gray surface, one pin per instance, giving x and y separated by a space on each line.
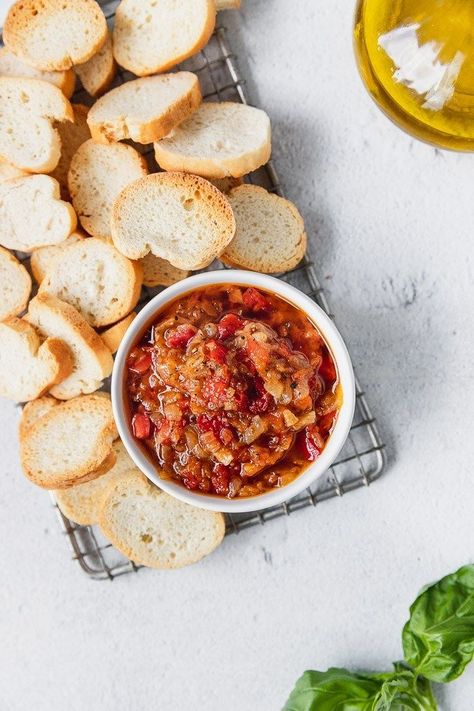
391 222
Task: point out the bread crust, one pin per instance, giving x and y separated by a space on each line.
72 135
103 169
82 503
32 25
13 275
98 72
53 356
24 218
131 543
28 103
11 66
135 243
159 272
115 126
85 339
112 337
96 453
67 279
128 39
278 252
174 153
33 410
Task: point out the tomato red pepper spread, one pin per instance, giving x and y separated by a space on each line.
233 390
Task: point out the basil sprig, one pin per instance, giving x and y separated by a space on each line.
438 639
346 691
438 642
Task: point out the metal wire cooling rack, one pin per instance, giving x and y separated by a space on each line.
362 458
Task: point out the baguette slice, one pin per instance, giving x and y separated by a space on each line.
154 529
12 66
92 360
270 234
95 278
32 214
42 259
72 136
15 285
151 37
53 35
145 109
9 171
112 337
96 177
70 444
225 185
29 107
98 73
159 272
82 503
217 141
179 217
227 5
33 410
28 368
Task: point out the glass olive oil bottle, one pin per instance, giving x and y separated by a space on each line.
416 58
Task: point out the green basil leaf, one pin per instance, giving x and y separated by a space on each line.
438 639
346 691
334 689
404 691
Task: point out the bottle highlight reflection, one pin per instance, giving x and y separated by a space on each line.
416 58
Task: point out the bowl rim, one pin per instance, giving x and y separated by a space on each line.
332 337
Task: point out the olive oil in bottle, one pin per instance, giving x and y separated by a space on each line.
416 58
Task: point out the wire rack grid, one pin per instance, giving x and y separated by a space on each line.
362 459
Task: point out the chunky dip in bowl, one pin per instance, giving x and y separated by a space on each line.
233 391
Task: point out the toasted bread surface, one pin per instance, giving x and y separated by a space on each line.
179 217
28 138
145 109
53 35
151 37
218 140
92 361
28 368
270 233
97 175
15 285
82 430
95 278
32 214
98 72
72 134
155 529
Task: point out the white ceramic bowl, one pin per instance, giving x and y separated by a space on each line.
332 338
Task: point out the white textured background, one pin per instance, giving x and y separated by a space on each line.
391 224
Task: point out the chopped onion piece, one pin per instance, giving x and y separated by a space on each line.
255 429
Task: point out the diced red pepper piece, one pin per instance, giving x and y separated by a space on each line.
241 401
306 445
326 422
220 479
215 390
141 426
217 352
228 325
263 401
190 481
219 425
180 336
327 369
254 300
164 431
142 364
